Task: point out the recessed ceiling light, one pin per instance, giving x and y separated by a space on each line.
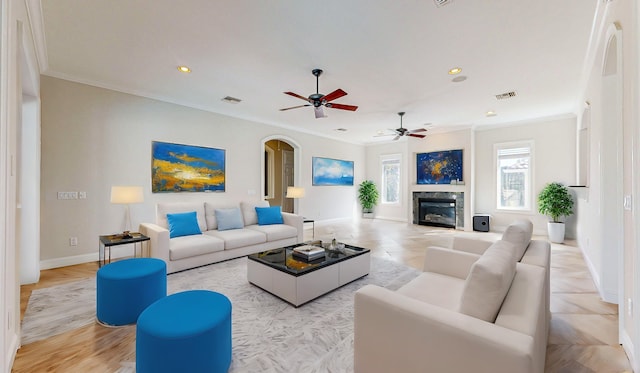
455 70
459 79
491 113
184 69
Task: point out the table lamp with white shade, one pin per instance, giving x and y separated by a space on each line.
295 192
126 195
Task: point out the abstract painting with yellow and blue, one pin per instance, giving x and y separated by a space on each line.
186 168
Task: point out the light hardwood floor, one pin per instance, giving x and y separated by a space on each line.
583 335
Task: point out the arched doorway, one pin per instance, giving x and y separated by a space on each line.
280 168
616 263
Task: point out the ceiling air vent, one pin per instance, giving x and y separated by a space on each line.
440 3
506 95
231 100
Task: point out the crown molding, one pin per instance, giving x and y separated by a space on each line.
36 22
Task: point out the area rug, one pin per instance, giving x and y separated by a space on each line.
269 335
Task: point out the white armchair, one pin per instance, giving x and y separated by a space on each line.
433 324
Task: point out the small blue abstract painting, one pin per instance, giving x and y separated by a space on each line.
327 171
439 167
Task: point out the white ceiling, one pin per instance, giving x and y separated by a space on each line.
389 55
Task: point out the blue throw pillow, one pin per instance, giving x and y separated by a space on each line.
229 219
183 224
269 215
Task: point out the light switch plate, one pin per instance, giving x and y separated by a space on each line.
67 195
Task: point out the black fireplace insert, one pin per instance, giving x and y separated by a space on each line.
437 212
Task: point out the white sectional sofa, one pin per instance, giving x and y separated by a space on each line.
528 251
465 313
212 244
519 233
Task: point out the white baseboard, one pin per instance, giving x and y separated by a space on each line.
80 259
502 228
391 219
68 261
627 345
12 350
609 297
538 232
333 220
594 274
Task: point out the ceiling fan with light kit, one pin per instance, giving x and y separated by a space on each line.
399 132
318 100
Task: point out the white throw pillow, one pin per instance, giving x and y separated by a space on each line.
249 211
488 282
519 234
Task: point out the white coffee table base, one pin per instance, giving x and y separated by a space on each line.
301 289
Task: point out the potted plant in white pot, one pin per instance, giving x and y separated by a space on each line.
555 201
368 197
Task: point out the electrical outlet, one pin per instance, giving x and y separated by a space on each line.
73 241
82 195
630 306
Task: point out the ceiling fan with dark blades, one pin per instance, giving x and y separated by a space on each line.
399 132
318 100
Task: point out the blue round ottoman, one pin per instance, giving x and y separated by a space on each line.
185 332
126 287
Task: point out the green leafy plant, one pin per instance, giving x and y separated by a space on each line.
367 195
555 201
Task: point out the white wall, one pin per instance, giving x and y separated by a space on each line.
409 148
18 74
29 191
374 173
554 159
93 138
329 202
461 139
613 171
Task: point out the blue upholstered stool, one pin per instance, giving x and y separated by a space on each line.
185 332
126 287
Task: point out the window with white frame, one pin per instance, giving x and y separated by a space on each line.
390 165
513 166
